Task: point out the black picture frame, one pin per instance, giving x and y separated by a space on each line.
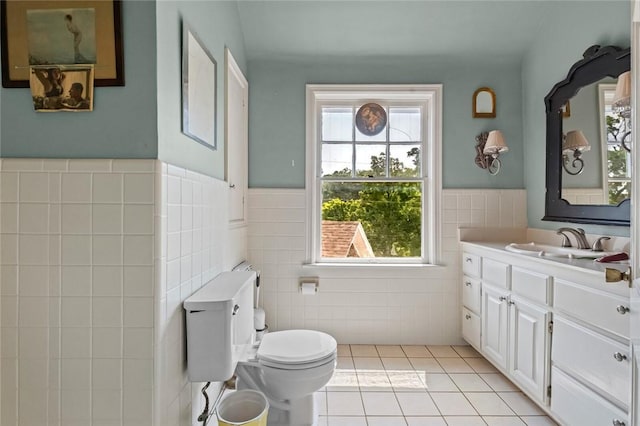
8 22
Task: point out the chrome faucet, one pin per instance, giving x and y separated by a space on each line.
581 238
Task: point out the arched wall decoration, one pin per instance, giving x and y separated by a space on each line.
484 103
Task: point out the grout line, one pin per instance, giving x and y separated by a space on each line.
442 416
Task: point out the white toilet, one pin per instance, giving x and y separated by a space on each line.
287 366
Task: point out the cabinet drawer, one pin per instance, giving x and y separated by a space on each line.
471 328
532 285
471 264
496 273
592 306
471 293
574 404
591 356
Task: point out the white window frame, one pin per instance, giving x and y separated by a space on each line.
431 157
602 88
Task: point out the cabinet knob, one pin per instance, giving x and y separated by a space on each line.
468 260
617 422
467 316
619 357
232 185
511 303
622 309
467 283
502 298
235 309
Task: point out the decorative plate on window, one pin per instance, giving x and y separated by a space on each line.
371 119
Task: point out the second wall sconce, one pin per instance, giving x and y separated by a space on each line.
488 149
574 143
622 105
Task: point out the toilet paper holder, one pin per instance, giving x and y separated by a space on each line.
308 285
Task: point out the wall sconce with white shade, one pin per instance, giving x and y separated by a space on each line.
622 104
574 143
489 147
622 97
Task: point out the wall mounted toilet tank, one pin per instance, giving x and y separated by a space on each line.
219 326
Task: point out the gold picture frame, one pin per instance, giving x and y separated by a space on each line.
109 69
484 103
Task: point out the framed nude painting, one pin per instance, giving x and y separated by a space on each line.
61 32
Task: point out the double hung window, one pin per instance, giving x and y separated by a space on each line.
373 190
616 131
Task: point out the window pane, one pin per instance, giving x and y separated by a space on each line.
371 160
371 219
337 159
405 160
405 124
619 191
337 124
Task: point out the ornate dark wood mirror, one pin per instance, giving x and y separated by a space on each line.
571 196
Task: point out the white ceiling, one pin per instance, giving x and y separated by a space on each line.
363 28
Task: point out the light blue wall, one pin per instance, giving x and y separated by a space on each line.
568 34
123 122
277 112
217 25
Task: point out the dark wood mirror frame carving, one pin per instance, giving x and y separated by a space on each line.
597 63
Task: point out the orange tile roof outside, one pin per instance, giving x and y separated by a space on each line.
344 239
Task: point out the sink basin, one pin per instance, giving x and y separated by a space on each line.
543 250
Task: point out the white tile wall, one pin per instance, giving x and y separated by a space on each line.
98 255
585 195
77 261
191 241
368 305
96 258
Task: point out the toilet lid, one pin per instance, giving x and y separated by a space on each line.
296 346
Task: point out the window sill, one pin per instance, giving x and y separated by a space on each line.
351 266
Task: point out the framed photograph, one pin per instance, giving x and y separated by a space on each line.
62 88
61 32
198 91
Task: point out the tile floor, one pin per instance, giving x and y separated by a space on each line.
421 386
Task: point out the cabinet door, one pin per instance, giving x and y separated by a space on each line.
494 324
237 130
528 346
471 328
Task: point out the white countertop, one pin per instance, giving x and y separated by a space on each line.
581 264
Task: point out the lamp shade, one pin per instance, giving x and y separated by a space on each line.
622 96
495 143
575 140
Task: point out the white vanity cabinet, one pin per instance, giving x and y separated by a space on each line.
513 329
555 329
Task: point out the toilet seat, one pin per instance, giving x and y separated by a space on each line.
296 349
